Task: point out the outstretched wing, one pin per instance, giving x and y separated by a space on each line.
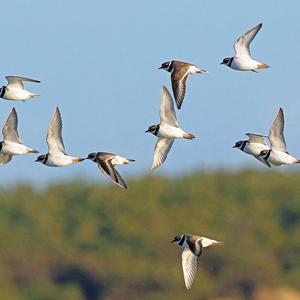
242 45
189 267
167 110
261 159
4 158
162 148
256 138
54 137
276 136
10 128
178 80
17 81
110 171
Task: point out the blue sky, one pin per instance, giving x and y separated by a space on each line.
98 61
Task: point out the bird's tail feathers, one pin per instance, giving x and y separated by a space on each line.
194 69
208 243
77 159
32 95
202 71
30 150
262 66
188 136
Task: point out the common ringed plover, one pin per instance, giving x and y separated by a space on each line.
11 144
168 129
193 246
179 73
253 146
106 163
242 61
56 156
15 89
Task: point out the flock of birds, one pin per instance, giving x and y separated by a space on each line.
270 150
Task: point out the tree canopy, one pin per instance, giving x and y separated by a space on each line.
87 241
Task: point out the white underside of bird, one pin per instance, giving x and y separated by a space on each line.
255 148
11 148
170 132
61 160
245 63
278 158
17 94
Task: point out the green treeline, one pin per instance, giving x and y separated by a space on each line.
82 241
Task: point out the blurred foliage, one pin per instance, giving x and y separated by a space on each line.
86 241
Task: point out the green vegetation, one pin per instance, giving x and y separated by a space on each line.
83 241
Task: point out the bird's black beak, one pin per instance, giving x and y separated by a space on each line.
222 63
36 160
173 241
147 130
234 146
160 67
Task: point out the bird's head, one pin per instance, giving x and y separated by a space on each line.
153 129
177 239
226 61
92 156
166 66
239 144
41 158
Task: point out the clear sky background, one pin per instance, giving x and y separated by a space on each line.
98 61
